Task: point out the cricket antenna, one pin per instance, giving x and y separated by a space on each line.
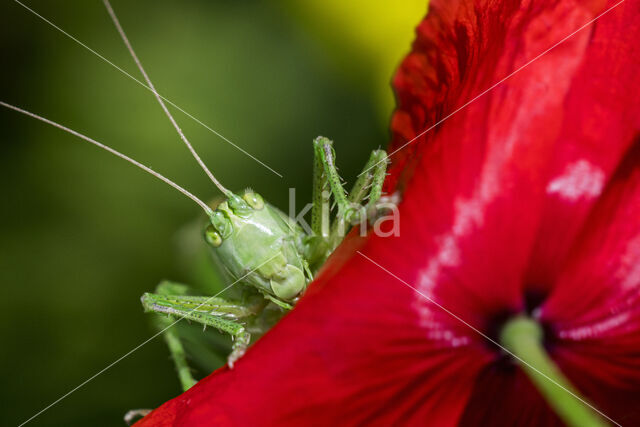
195 155
147 169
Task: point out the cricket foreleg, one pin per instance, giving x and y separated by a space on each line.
375 172
321 197
325 156
367 186
209 311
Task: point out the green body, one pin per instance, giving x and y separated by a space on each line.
267 253
265 248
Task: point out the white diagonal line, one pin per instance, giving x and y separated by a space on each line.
260 162
115 152
499 82
133 350
183 137
145 86
489 339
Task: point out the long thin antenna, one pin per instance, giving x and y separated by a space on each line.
147 169
168 101
195 155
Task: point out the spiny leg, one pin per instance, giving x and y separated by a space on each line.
325 157
164 320
316 243
321 197
373 176
219 313
369 182
367 186
171 337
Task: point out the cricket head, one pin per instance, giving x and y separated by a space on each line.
258 246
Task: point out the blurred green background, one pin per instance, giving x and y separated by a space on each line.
84 234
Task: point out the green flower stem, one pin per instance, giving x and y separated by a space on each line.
523 337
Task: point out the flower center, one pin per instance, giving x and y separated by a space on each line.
531 303
523 337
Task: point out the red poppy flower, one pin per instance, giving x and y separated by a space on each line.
525 200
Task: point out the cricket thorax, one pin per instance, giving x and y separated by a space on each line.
258 245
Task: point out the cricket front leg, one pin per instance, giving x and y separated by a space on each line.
316 243
219 313
368 187
325 157
321 197
373 174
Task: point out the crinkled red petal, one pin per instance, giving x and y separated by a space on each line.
530 188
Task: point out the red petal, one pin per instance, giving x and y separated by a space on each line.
361 346
600 119
595 305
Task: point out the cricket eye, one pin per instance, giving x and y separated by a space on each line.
221 224
239 206
254 200
212 236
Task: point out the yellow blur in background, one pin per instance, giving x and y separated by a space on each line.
84 234
374 34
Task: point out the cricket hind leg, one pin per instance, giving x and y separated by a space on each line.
171 303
